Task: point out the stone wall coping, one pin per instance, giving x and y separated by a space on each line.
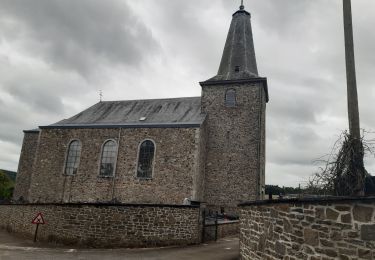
34 131
328 199
145 205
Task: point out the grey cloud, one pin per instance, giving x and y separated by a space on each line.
292 108
294 144
188 32
40 89
42 101
277 17
299 47
8 134
299 99
79 35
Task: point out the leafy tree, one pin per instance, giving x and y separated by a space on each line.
6 187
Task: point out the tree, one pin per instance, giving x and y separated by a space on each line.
6 187
340 170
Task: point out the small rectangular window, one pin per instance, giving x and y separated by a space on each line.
230 98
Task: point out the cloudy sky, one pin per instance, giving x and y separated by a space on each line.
56 55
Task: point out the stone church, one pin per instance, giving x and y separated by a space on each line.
209 148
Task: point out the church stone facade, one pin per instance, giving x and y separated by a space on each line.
161 151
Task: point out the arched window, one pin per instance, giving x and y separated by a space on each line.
107 163
145 159
230 98
73 157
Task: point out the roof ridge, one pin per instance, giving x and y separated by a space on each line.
149 99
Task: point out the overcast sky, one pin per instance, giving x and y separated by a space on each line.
56 55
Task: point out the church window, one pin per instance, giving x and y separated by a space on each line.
107 164
73 157
230 98
145 159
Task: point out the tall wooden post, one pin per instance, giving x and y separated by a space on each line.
353 113
351 171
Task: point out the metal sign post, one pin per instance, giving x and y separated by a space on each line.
37 220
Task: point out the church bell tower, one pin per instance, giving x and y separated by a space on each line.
235 102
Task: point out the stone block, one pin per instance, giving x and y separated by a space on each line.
283 207
287 226
342 208
326 243
347 251
368 232
365 253
332 214
344 257
362 214
308 250
311 237
320 213
336 236
280 248
346 218
331 252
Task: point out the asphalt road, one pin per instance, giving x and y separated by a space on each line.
13 248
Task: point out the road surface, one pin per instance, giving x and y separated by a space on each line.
13 248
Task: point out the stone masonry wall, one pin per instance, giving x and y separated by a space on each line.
25 167
176 166
314 230
199 179
106 225
235 144
262 158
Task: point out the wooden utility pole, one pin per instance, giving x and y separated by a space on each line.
351 181
354 127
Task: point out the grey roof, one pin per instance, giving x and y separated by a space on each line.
176 112
239 50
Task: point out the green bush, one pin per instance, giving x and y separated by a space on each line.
6 187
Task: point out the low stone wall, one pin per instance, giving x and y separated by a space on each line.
224 229
99 225
331 228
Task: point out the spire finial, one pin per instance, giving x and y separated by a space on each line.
100 95
242 6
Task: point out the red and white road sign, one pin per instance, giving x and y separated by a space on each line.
38 219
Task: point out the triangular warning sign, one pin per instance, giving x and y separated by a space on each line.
38 219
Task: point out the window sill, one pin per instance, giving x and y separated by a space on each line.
106 177
144 179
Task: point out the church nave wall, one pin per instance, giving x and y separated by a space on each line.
177 163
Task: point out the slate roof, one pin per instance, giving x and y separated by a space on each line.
175 112
238 60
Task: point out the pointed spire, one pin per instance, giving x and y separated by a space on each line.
238 60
